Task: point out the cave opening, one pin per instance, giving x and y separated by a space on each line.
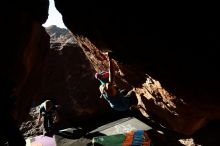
54 18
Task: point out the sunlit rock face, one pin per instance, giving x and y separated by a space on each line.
175 45
57 34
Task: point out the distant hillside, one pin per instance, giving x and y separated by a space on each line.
59 35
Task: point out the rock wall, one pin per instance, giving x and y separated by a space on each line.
175 45
69 79
25 44
181 45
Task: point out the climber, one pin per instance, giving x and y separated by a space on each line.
48 111
118 99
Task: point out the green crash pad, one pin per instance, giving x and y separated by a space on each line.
132 138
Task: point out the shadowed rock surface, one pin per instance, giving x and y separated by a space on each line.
67 80
176 46
180 44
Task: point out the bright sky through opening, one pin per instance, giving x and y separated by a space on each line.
54 18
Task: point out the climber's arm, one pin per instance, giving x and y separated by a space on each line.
110 87
111 70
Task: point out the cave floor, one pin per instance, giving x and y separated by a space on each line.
206 136
82 135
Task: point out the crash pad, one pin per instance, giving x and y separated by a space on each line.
132 138
41 141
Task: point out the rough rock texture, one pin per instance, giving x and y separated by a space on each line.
181 45
29 127
63 82
158 103
70 80
181 52
60 35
